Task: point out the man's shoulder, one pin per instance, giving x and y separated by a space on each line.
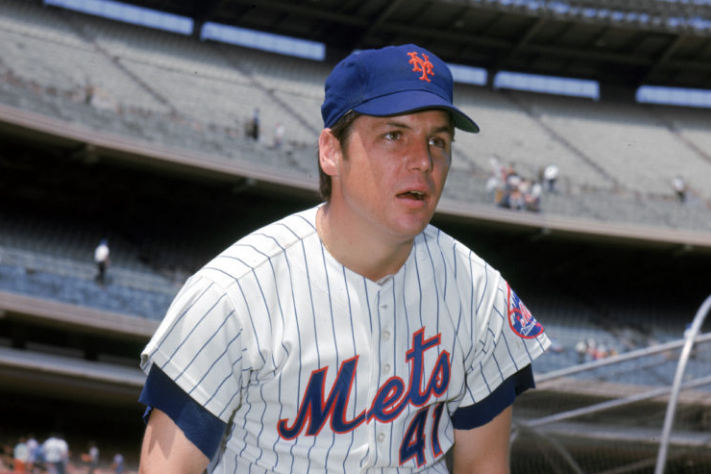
264 244
283 232
451 248
433 235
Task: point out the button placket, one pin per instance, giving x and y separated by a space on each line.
386 310
382 362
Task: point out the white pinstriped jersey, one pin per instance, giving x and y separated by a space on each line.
320 370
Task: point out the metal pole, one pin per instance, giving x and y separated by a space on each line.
618 402
680 368
636 354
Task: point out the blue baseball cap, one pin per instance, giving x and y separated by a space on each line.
392 80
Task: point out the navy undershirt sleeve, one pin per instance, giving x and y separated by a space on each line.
503 396
201 427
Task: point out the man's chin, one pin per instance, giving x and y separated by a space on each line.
412 226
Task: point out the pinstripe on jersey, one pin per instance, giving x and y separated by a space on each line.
322 370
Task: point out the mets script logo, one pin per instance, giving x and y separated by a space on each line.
393 397
422 65
520 318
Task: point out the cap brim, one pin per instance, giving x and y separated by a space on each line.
413 101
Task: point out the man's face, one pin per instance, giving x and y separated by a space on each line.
391 174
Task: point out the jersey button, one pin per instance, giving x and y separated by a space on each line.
381 438
386 368
386 335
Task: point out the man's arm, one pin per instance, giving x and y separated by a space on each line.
484 450
167 449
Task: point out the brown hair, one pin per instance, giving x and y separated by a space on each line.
341 130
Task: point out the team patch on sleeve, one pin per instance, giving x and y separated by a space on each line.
521 320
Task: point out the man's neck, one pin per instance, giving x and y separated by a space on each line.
364 253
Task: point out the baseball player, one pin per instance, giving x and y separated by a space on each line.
353 336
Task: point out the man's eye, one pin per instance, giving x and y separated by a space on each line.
393 135
438 142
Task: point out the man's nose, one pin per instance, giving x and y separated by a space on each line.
420 157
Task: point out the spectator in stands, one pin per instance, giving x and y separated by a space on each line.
520 193
591 350
510 173
55 452
600 352
253 128
532 196
5 456
556 347
117 464
517 187
21 455
495 183
101 257
278 135
32 449
512 197
550 177
89 91
581 348
92 457
679 186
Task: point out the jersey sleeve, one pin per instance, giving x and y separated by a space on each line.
508 338
200 426
199 346
479 414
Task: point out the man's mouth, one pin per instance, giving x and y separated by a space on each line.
418 195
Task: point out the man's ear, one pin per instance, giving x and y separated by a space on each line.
329 152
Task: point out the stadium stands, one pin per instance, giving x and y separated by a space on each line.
164 87
515 136
45 276
631 145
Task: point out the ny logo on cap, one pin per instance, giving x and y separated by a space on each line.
421 65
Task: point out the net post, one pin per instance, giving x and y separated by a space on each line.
678 376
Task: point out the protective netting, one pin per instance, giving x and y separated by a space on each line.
606 416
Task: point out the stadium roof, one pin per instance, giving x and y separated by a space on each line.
617 42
